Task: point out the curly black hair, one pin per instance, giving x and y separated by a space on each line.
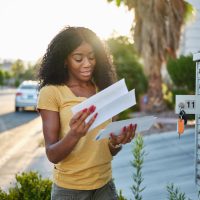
53 71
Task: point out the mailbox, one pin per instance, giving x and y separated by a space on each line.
191 105
196 58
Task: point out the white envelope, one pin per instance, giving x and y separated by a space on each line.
143 124
109 102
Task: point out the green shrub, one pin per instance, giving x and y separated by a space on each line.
182 72
3 195
137 163
120 196
17 82
175 194
2 77
29 186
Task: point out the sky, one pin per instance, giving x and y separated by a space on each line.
28 26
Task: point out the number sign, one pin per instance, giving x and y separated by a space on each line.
189 103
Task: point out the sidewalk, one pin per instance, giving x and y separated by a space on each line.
168 159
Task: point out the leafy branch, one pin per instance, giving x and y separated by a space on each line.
137 163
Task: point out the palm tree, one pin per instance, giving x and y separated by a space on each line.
156 31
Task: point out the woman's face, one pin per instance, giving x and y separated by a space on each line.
80 63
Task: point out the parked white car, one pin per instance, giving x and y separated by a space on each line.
26 95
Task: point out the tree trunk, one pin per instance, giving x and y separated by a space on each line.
155 101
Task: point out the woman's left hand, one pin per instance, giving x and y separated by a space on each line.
126 136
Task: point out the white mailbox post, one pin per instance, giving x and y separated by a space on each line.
196 57
191 105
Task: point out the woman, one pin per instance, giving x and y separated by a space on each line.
75 67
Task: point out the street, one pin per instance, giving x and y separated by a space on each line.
8 118
20 136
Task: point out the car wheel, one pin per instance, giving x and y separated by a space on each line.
16 109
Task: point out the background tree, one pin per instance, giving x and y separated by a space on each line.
127 65
156 32
18 69
30 72
7 78
7 75
2 76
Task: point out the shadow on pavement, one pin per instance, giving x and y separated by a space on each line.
14 119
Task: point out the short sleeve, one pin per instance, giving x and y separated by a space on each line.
48 99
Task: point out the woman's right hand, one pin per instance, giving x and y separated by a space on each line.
78 126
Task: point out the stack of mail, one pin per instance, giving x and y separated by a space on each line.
110 102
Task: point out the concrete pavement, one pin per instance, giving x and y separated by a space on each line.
168 160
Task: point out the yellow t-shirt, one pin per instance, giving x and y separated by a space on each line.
88 166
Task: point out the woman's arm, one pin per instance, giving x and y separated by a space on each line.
56 149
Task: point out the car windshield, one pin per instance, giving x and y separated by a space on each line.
29 87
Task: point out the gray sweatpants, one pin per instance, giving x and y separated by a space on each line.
107 192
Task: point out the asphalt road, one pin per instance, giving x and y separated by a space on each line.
10 119
20 135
